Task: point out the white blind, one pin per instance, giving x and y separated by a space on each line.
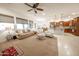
22 21
6 19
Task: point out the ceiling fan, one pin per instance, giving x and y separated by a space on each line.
34 7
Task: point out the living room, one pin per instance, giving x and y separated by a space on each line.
39 29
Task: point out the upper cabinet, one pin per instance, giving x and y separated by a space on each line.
74 26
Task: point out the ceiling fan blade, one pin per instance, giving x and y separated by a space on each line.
28 5
40 9
35 11
35 5
29 10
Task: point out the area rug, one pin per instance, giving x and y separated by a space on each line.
11 51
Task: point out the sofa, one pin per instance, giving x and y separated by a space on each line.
21 36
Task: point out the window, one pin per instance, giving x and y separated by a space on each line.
19 26
2 27
25 26
6 26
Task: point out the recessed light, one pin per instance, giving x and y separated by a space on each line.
66 46
43 13
69 16
73 13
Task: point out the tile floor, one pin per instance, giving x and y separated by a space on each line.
68 45
65 45
33 47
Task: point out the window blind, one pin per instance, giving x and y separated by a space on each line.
6 19
21 21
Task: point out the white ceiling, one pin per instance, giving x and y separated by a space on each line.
51 10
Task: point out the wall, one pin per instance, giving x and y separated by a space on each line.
7 10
